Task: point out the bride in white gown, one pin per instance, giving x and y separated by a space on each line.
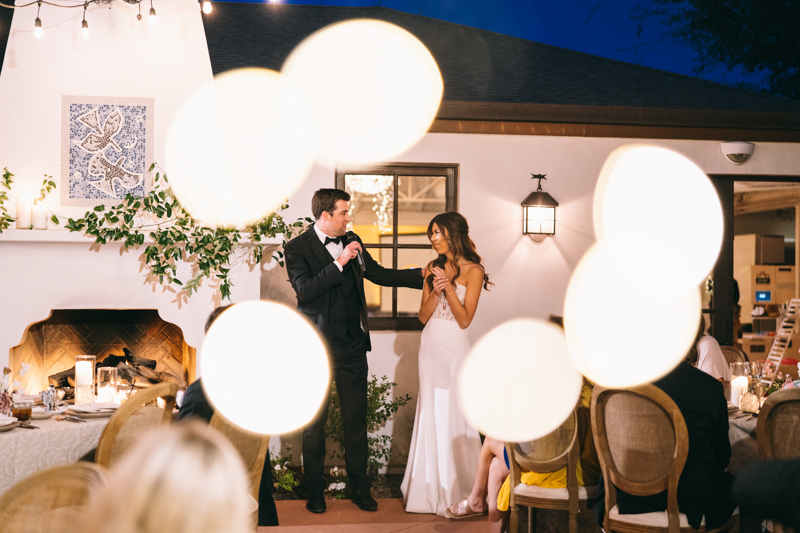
443 458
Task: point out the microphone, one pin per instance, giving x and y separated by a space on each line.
350 237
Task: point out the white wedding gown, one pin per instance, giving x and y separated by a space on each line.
443 458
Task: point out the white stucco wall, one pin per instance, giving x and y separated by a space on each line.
122 58
531 278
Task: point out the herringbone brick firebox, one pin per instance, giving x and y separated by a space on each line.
51 346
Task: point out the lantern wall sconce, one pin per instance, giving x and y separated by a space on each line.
539 213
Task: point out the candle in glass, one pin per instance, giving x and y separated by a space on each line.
24 209
739 385
740 381
39 215
84 379
106 384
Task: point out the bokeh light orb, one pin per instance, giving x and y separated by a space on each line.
619 337
374 86
250 362
240 146
519 382
660 216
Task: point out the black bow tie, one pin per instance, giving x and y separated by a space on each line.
336 240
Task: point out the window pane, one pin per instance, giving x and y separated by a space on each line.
420 198
371 206
379 299
408 300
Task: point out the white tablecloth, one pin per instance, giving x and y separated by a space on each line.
26 451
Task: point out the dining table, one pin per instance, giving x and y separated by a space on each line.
742 435
25 451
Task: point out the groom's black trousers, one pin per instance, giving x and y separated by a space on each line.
348 358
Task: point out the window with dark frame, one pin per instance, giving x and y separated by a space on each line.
391 206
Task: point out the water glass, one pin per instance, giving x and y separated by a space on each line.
22 410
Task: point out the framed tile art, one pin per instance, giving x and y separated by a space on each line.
106 148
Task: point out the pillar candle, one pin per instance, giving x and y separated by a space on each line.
40 215
24 209
83 373
106 394
738 386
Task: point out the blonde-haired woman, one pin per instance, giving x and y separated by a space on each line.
184 479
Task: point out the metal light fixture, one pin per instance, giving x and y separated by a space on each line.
539 213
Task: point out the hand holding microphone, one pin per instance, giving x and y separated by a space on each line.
350 239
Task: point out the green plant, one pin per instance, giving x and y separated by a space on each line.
47 187
177 236
5 220
283 478
339 487
380 408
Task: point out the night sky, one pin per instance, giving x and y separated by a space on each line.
603 28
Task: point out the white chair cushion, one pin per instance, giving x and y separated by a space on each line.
534 491
658 519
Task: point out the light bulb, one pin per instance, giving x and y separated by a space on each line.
207 8
37 31
85 29
152 19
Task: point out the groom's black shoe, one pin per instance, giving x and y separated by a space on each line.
364 500
316 502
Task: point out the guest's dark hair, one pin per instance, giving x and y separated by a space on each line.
455 230
325 200
215 315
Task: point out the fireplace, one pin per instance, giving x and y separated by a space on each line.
59 283
50 346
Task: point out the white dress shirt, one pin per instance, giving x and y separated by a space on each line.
711 360
334 248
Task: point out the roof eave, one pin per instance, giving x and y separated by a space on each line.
623 116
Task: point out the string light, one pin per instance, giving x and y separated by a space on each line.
207 8
84 24
38 32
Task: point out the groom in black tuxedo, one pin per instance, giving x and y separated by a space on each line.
329 283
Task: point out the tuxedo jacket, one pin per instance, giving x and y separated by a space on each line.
317 281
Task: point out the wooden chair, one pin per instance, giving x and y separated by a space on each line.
253 448
50 501
778 429
552 452
642 443
733 354
778 426
132 419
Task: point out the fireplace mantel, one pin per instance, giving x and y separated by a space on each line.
58 269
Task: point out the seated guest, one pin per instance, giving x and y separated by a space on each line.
708 356
704 488
770 490
195 405
491 490
185 478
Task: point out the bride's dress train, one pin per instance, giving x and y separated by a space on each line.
443 458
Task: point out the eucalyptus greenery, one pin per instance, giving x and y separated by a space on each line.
47 187
176 235
5 220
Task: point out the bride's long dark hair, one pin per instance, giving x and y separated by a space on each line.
454 229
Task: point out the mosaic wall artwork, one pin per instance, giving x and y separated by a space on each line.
106 147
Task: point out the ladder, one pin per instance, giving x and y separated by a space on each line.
783 336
